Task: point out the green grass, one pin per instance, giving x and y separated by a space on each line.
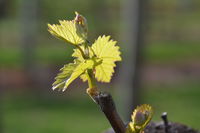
22 115
78 114
14 57
180 101
170 52
10 57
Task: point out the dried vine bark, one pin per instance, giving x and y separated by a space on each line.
107 105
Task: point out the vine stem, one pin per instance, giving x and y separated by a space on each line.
91 79
92 90
104 100
106 103
107 106
82 52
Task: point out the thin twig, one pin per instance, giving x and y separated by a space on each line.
166 123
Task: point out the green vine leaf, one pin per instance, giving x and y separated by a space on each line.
70 72
100 57
84 77
65 73
140 118
77 54
80 69
81 25
73 32
106 50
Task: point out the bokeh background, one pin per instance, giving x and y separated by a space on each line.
160 47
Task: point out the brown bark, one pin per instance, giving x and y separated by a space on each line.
107 105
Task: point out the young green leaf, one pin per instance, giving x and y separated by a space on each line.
106 50
73 32
140 118
77 54
80 69
130 128
142 115
100 57
65 73
70 72
81 25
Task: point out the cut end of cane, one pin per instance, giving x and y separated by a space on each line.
93 93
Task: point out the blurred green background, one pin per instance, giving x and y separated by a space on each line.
30 58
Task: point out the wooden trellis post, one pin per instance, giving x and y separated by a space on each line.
1 113
133 37
29 38
29 16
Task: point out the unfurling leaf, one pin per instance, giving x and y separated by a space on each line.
65 73
72 31
106 50
84 77
81 25
140 118
105 53
142 115
70 72
78 55
130 128
80 69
